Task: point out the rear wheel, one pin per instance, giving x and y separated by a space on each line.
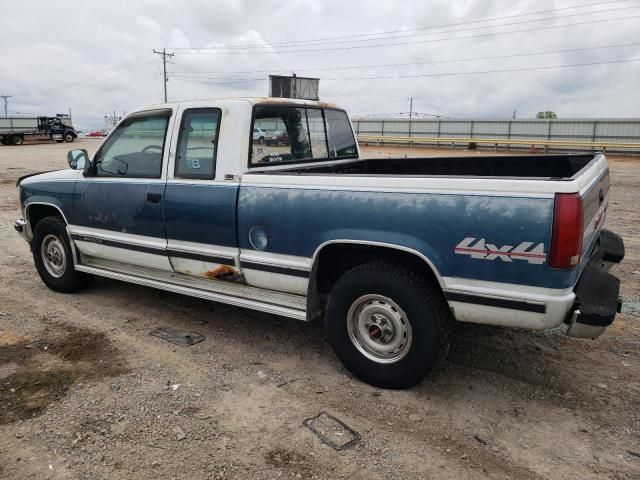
388 324
17 140
53 257
4 141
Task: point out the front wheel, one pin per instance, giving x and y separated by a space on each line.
53 257
388 324
68 137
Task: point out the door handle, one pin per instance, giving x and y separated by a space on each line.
154 197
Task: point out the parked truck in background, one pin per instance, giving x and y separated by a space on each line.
389 252
15 130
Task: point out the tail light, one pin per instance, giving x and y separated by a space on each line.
566 238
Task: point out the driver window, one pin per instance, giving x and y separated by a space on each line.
135 148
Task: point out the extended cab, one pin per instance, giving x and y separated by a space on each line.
390 252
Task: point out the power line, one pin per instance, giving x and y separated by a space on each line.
95 82
436 40
468 29
427 62
449 24
241 48
97 77
164 56
482 72
446 74
229 82
118 86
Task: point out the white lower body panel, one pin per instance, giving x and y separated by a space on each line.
287 305
523 306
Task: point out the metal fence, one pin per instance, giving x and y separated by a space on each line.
597 130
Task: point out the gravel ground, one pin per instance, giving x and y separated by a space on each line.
86 392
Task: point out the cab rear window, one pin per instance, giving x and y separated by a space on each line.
287 134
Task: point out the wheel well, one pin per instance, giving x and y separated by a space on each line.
336 259
37 212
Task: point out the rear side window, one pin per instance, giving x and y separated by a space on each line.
340 135
317 134
284 134
198 144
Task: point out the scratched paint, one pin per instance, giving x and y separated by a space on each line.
298 221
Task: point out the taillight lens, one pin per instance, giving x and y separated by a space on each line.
566 239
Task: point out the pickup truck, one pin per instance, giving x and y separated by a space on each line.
390 252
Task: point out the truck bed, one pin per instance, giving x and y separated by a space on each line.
547 167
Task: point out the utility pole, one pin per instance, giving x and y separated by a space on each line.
410 108
5 98
295 89
164 56
515 112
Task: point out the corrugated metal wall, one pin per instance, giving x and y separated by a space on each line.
591 130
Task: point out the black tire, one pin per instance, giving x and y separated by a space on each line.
426 312
68 137
70 280
4 141
17 140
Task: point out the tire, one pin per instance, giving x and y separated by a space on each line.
68 137
50 239
4 141
392 304
17 140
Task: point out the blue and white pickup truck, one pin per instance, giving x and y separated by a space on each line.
390 252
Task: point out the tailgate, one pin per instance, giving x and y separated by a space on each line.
594 207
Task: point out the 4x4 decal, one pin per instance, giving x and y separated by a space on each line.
481 250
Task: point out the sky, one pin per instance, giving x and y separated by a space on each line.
455 58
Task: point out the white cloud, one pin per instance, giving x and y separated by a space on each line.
56 58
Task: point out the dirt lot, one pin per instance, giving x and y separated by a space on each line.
86 392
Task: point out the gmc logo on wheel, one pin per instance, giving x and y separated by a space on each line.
479 249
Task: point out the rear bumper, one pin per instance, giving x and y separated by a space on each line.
597 291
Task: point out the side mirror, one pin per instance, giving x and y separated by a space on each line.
78 159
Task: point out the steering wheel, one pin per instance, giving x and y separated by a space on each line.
151 147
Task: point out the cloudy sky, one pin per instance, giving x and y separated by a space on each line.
458 58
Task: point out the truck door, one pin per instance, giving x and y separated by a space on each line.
200 203
118 214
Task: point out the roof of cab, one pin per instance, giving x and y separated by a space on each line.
209 102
